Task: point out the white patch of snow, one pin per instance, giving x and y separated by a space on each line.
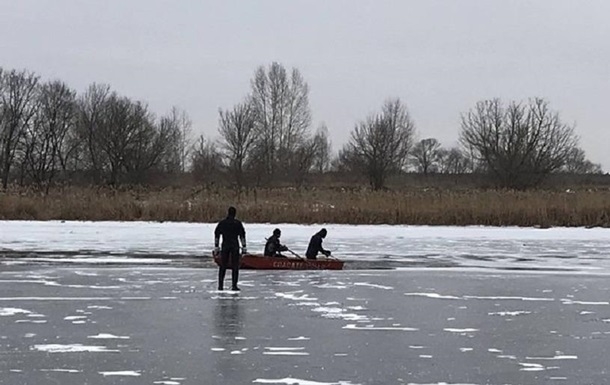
294 296
86 273
130 373
570 302
285 353
62 370
10 311
284 348
498 298
438 383
56 299
466 330
74 317
373 285
432 295
296 381
510 357
108 336
529 367
371 327
510 313
73 348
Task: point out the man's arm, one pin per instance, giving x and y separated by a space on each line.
217 233
321 249
242 238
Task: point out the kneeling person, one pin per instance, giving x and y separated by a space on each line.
273 247
315 245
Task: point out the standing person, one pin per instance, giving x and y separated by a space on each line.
273 247
315 245
231 230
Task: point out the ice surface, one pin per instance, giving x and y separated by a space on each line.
553 249
460 306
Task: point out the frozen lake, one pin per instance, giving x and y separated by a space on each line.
135 303
556 249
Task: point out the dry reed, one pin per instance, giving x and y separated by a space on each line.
315 205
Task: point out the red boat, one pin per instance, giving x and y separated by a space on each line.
260 262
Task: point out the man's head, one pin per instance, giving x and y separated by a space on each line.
323 233
232 212
277 232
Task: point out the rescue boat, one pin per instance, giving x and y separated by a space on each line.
260 262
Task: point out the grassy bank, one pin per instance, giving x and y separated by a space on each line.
329 205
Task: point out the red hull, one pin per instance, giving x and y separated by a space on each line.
259 262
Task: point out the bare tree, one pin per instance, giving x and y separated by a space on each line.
176 128
45 139
577 163
347 160
206 160
92 115
521 144
132 143
237 132
302 161
283 117
453 161
380 145
322 150
123 140
426 156
17 107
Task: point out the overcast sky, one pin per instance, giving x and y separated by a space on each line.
439 57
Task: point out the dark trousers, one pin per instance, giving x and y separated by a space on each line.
229 255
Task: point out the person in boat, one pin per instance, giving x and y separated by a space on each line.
232 232
273 247
315 245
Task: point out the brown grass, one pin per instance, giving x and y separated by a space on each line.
315 205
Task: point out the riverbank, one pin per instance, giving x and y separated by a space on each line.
541 208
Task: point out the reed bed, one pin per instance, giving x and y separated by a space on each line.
540 208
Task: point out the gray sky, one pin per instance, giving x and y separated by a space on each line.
439 57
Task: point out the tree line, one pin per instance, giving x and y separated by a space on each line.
50 135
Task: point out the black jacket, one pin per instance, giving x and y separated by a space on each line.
231 230
273 246
315 246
